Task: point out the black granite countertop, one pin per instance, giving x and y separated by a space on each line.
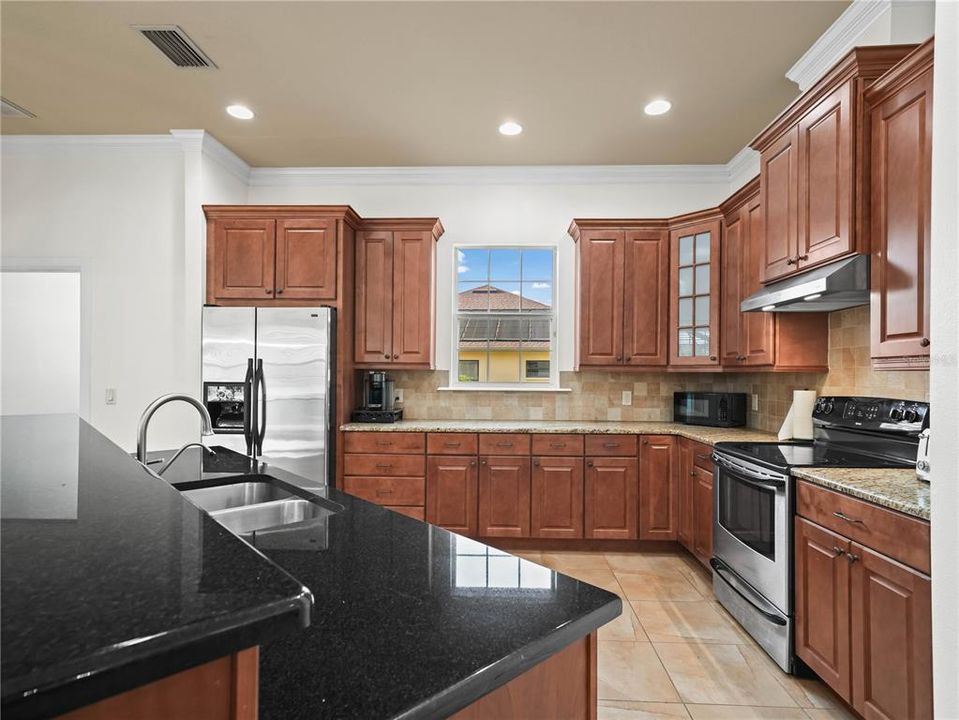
110 578
409 620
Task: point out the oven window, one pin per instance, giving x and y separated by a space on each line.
748 512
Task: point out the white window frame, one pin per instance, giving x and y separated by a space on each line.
552 385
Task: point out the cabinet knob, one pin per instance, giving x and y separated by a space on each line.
924 342
838 550
269 291
852 557
712 358
396 357
645 442
279 291
800 258
472 463
619 358
536 463
387 356
791 261
589 463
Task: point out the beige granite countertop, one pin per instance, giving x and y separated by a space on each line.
894 488
708 435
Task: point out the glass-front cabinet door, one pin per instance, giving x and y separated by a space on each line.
694 306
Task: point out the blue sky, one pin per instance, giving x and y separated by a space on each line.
527 272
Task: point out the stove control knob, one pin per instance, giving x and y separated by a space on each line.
896 413
911 415
827 407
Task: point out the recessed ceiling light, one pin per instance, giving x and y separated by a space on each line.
240 112
510 128
657 107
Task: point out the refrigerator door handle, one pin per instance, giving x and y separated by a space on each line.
249 403
260 381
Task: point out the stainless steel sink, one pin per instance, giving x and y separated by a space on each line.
246 521
223 497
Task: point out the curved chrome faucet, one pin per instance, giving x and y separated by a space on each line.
206 427
179 452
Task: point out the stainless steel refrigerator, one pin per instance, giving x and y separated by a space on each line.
267 377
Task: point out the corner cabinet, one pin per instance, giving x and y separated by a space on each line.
273 254
396 293
695 285
622 299
778 341
813 164
900 153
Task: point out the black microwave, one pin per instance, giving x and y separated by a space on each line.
718 409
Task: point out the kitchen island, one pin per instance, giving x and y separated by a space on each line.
405 619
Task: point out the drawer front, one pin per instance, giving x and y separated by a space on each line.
899 536
414 512
390 465
384 442
452 444
504 444
388 490
623 445
557 444
702 456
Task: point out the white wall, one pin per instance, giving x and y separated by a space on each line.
501 206
40 343
944 374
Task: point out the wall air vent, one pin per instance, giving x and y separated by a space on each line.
11 109
176 45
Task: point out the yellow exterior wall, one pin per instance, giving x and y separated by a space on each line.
504 365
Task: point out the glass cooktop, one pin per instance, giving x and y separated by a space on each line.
782 456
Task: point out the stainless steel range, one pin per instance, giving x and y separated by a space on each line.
754 502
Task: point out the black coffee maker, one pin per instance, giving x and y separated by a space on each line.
376 403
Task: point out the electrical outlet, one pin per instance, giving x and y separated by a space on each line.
399 395
755 402
110 396
627 397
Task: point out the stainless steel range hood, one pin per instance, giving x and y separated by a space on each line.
837 286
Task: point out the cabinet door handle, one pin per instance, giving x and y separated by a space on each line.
279 291
791 261
838 550
269 291
712 358
482 462
843 516
619 358
536 463
852 557
692 473
504 444
924 342
589 463
557 445
610 444
700 456
800 258
384 443
472 463
451 444
384 466
384 492
645 442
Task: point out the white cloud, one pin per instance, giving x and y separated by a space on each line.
462 269
540 286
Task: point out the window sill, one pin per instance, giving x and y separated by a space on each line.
503 388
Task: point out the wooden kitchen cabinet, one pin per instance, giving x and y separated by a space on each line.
451 492
695 292
306 258
556 509
243 261
504 496
900 153
813 168
611 498
822 604
658 489
683 474
702 488
394 317
776 341
622 298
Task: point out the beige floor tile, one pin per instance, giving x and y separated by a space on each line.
645 562
659 585
837 713
531 555
700 579
577 560
666 621
623 710
807 692
600 578
743 712
632 671
624 628
721 675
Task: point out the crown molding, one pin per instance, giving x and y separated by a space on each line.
103 142
483 175
838 39
203 142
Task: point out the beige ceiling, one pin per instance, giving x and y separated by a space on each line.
418 83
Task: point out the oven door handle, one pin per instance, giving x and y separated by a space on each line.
770 481
758 603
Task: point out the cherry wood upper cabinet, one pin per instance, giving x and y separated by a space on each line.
611 503
504 496
243 266
622 292
901 174
306 258
557 497
395 293
695 292
777 341
451 491
813 167
658 489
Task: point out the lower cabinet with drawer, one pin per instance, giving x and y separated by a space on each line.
863 614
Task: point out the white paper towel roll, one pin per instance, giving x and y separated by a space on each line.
803 403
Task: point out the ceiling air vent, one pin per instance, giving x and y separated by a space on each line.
176 45
11 109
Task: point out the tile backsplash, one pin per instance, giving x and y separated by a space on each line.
598 395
